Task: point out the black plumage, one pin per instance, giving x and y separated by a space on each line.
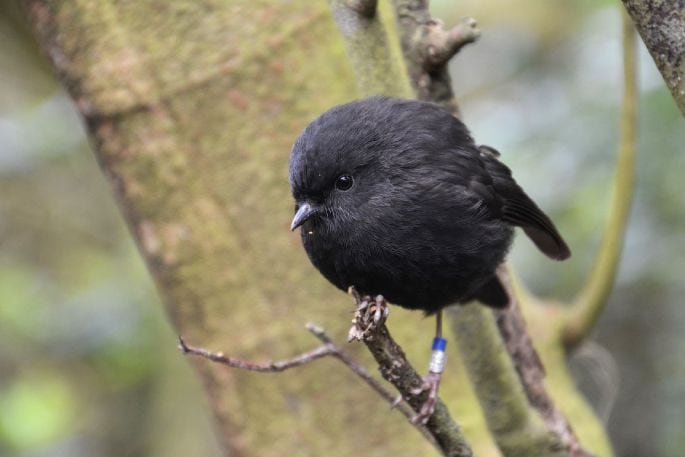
395 198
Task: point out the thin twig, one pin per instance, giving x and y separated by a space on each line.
329 348
590 302
360 371
265 367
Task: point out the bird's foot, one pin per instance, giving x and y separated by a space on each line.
371 314
431 383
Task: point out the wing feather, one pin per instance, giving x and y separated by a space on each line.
517 208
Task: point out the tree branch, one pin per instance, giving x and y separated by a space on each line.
591 300
264 367
396 369
531 372
662 27
367 46
428 48
329 348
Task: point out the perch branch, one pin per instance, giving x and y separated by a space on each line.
396 369
428 48
329 348
662 27
591 300
369 327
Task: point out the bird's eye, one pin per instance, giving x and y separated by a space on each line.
344 182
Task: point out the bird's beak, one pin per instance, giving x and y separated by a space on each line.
304 212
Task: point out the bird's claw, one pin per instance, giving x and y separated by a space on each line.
370 315
431 383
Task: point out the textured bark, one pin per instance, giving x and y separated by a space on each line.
531 372
661 24
192 106
395 369
368 48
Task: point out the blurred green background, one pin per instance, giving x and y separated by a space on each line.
88 364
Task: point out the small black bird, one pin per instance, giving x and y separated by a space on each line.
395 198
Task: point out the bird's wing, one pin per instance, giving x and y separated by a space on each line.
505 197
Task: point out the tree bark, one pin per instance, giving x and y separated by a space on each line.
661 24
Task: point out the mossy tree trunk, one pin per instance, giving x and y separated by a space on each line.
192 106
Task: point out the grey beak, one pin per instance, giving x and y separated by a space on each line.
304 212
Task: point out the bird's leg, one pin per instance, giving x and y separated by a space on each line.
370 315
431 382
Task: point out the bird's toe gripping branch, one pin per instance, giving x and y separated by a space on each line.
431 382
371 314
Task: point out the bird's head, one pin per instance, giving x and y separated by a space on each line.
335 170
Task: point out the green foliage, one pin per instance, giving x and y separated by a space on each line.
37 409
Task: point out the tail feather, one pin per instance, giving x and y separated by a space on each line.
518 209
523 212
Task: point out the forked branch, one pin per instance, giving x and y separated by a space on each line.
428 48
327 349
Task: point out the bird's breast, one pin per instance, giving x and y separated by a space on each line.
418 265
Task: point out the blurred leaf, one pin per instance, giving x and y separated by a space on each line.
21 306
124 364
36 409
